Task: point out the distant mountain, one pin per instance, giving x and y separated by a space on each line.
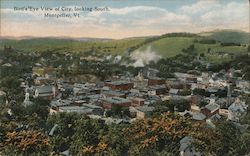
228 36
82 39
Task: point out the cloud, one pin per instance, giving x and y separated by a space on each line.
199 7
217 15
134 20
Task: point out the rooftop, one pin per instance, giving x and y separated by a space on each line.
78 109
117 83
155 78
212 107
145 109
116 100
45 89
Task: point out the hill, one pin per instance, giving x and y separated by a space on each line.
96 46
170 46
167 45
228 36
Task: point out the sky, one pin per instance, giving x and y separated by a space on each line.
130 18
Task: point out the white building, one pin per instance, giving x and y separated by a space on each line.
236 110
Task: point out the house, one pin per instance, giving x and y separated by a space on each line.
109 102
84 109
136 102
195 109
46 92
94 98
119 85
184 77
236 110
149 72
198 116
173 92
144 111
210 109
152 81
243 84
112 93
40 80
186 149
157 89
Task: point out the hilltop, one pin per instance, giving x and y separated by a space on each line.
167 45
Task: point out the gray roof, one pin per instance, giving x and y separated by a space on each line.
155 78
236 107
158 87
116 100
44 89
118 82
64 102
199 116
77 109
91 106
173 91
145 109
113 92
212 107
216 117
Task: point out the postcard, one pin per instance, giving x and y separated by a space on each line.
124 77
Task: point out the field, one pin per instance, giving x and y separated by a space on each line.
64 45
171 46
164 46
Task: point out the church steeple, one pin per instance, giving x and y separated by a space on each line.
27 101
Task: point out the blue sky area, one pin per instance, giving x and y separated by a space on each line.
125 18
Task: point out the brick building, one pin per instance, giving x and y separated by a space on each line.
119 85
136 102
108 103
210 109
155 81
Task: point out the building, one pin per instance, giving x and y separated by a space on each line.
173 92
108 103
119 85
112 93
149 72
136 102
236 110
210 109
156 81
157 89
46 92
144 111
40 80
85 109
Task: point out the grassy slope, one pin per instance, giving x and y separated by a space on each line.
39 45
166 47
171 46
229 36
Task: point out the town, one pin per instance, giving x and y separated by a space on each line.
121 96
